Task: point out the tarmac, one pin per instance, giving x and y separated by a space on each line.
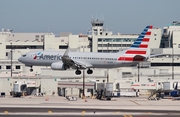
55 106
116 103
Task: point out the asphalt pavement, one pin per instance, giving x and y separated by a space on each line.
78 110
89 116
59 107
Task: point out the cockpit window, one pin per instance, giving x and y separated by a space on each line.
24 55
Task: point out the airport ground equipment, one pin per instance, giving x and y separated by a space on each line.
2 94
159 89
147 85
156 89
99 94
156 95
38 94
116 94
171 88
109 90
104 91
176 91
170 85
128 93
71 98
18 88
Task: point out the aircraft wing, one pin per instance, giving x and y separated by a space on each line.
82 64
74 64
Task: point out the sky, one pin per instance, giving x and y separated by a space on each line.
124 16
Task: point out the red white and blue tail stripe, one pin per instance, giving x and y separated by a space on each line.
143 39
138 49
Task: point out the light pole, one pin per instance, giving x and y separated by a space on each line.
11 59
107 75
121 44
112 45
44 44
83 80
138 72
108 69
172 62
83 83
102 45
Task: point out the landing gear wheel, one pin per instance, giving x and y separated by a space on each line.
78 72
89 71
31 70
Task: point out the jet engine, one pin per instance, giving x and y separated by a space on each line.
58 66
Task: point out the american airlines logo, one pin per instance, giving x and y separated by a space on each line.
40 56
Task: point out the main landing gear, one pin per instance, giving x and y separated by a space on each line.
31 70
89 71
78 72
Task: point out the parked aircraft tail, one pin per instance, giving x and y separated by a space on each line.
175 92
176 87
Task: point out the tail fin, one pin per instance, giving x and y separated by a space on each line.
138 50
140 45
175 88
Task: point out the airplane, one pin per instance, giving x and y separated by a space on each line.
138 52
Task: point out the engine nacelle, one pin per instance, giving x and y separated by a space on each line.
58 66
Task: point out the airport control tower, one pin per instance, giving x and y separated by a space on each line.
97 26
98 29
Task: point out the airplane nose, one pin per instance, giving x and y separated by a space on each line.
20 59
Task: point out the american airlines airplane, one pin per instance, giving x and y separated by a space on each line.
87 60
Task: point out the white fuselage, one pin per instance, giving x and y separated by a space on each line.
97 60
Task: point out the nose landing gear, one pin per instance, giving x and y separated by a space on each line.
31 70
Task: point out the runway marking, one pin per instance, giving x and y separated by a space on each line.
49 112
149 112
127 116
117 112
135 102
83 113
6 112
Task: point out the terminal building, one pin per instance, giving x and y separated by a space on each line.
165 41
